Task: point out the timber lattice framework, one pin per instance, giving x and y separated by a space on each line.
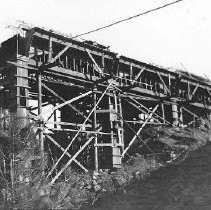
90 103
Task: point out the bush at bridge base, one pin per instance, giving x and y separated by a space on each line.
77 189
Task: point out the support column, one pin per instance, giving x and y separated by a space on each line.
116 137
41 137
103 63
50 49
181 116
131 71
21 92
175 114
55 118
1 119
163 112
95 126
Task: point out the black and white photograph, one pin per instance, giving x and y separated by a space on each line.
105 104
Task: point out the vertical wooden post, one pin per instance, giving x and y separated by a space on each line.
41 138
1 119
131 71
116 129
169 82
103 63
189 94
121 123
80 66
55 118
87 68
50 50
175 112
74 64
21 79
181 116
66 62
163 112
95 126
112 119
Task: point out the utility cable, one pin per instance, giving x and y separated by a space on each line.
129 18
124 20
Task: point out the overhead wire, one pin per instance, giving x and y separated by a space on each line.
129 18
124 20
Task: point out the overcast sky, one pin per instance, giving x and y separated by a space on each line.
174 36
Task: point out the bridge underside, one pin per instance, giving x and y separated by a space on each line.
90 103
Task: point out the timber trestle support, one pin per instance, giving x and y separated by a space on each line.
90 104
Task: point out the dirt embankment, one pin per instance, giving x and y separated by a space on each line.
156 147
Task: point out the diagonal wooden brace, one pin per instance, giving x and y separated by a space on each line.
134 100
63 100
72 159
139 74
165 86
67 153
140 129
74 138
60 53
194 91
66 103
98 69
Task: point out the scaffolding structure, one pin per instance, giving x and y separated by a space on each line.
90 103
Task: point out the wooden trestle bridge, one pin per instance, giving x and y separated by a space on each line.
98 102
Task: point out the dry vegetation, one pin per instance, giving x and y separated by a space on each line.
27 189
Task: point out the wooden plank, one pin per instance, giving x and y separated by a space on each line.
139 122
82 131
106 111
67 123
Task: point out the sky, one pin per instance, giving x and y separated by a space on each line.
178 36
